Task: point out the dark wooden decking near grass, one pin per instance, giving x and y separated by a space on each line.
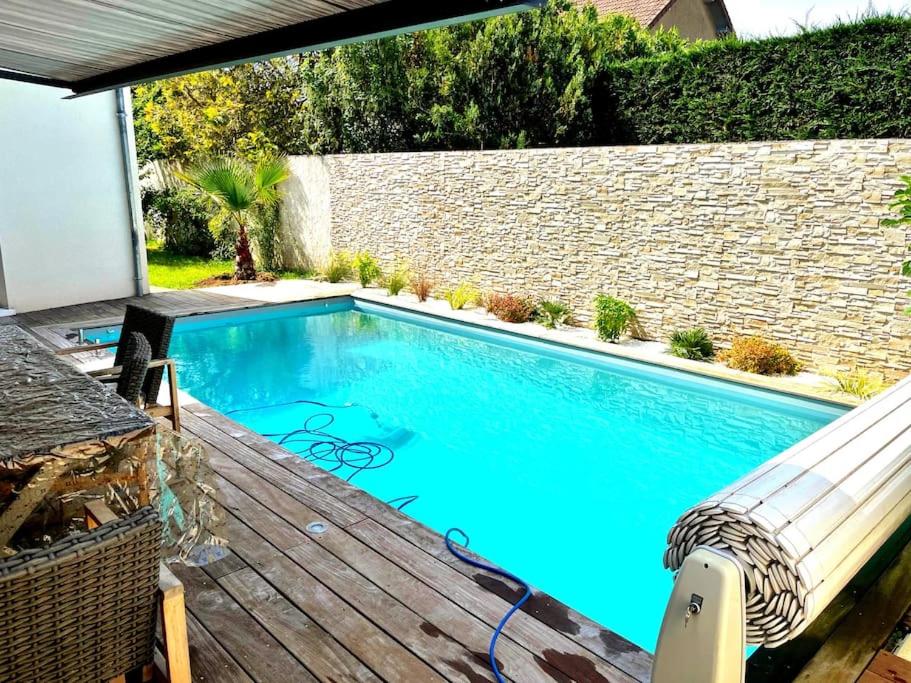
178 302
377 597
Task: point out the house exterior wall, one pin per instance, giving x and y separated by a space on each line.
692 18
778 239
64 210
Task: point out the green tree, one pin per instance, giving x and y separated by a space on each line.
148 144
240 191
251 110
526 79
512 81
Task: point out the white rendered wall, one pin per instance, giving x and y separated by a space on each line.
64 211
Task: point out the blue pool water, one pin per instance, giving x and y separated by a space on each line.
566 467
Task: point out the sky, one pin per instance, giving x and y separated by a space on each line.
758 18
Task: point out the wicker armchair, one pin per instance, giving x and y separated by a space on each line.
157 329
84 609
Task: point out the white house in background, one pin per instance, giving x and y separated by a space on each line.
67 218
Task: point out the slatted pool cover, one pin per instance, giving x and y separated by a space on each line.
804 523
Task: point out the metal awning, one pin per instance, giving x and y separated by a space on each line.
93 45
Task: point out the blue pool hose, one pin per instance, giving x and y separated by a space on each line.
491 650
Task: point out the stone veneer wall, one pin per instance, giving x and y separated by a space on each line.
776 239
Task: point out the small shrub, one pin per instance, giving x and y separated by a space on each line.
693 344
860 383
553 314
421 285
339 268
367 268
613 317
180 220
756 355
466 294
397 280
510 308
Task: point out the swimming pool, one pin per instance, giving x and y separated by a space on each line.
564 466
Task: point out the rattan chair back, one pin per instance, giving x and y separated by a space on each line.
157 329
135 365
83 609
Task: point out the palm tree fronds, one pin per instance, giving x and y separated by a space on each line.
268 175
228 181
240 192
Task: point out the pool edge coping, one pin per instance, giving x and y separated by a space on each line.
559 337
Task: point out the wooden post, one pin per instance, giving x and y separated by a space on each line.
175 402
171 412
174 627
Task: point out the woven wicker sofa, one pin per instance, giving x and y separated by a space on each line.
84 609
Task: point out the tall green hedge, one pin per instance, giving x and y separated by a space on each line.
849 81
545 78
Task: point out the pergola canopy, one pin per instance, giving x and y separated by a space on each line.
93 45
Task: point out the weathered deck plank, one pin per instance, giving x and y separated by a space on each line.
211 662
388 616
261 656
326 658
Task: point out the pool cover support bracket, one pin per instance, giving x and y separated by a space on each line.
703 635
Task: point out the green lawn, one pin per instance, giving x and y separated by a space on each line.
183 272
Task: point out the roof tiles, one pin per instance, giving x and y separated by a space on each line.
645 11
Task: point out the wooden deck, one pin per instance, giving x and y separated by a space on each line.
377 597
178 302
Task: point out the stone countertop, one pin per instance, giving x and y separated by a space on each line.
47 403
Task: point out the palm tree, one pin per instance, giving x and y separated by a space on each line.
240 191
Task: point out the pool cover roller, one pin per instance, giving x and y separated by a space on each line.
804 523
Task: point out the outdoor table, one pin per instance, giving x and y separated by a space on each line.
62 432
66 440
